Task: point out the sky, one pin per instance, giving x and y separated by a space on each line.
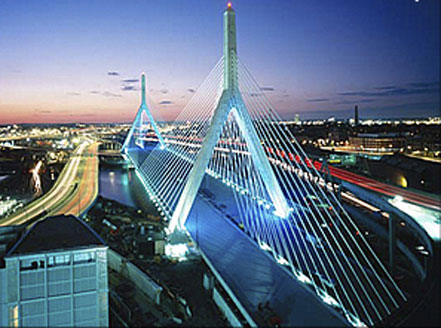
80 61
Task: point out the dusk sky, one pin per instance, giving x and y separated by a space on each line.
80 61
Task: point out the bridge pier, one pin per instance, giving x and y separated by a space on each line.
392 241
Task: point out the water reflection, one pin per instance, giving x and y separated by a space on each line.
116 184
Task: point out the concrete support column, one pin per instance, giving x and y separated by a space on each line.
392 241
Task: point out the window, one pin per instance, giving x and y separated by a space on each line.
30 278
32 292
58 260
32 264
59 304
59 288
84 257
33 308
13 316
85 300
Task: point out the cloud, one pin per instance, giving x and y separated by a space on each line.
166 102
82 115
317 100
48 111
387 91
113 73
105 93
73 93
424 84
128 88
130 81
254 94
354 101
191 90
110 94
267 88
389 87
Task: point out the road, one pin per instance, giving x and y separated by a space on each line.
383 188
87 189
359 180
77 181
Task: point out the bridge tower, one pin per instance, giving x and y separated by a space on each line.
230 102
138 122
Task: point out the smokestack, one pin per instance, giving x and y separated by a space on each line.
356 115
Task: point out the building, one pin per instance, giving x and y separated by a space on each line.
378 142
54 275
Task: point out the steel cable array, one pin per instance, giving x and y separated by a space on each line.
318 242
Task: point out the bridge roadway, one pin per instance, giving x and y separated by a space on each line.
253 275
74 191
382 188
213 222
213 219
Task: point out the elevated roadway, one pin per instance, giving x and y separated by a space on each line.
382 188
74 191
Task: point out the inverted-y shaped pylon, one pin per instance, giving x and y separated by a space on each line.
230 102
138 122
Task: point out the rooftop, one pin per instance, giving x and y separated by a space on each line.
55 233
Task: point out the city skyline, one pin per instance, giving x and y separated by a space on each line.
213 206
68 62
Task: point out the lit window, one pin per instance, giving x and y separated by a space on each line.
84 257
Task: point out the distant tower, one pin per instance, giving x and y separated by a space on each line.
356 115
297 119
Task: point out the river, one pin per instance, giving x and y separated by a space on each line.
122 185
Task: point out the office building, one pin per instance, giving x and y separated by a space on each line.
54 275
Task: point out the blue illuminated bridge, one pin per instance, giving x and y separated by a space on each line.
264 225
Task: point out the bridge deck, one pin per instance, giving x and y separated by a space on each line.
252 274
213 223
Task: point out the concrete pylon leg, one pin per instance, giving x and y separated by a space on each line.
230 101
138 122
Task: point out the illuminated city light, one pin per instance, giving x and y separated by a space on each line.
176 251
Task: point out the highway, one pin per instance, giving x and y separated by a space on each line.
78 180
383 188
87 189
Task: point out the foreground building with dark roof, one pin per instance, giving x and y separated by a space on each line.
55 274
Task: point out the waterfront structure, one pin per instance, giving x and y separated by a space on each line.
54 275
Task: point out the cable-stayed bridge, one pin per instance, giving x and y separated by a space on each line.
211 175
